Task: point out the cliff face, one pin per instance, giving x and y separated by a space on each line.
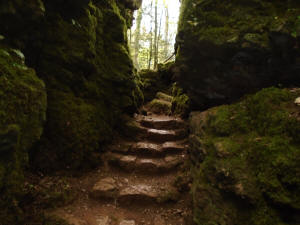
226 49
80 54
79 49
22 116
245 156
246 161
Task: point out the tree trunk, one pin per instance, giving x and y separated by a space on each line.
166 47
155 36
137 38
158 39
151 40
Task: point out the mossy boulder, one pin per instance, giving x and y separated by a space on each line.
154 81
180 102
246 161
159 106
226 49
22 115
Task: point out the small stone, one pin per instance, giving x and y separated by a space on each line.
142 192
297 101
170 158
127 222
128 158
103 220
106 187
158 220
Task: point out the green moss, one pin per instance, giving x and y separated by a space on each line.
163 96
251 155
82 124
180 101
88 71
151 83
159 106
218 21
22 115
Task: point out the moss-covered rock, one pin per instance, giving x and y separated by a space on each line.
159 106
155 81
246 161
22 115
79 49
180 102
226 49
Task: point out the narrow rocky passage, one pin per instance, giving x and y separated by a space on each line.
140 182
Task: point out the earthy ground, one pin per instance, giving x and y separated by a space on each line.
143 179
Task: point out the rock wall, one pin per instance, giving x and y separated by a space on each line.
62 115
23 104
226 49
79 49
246 161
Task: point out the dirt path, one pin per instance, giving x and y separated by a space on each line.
140 183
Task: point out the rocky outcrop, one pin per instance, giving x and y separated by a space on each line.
79 49
228 49
246 161
61 117
22 115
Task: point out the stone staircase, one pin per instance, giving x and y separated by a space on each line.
140 174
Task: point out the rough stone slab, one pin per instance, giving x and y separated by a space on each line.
158 220
146 148
165 135
106 188
138 192
297 101
154 149
126 162
172 161
149 165
173 147
168 123
127 222
121 147
103 220
145 165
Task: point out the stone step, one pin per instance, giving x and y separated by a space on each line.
145 148
161 136
163 96
138 192
145 165
149 149
168 123
110 188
